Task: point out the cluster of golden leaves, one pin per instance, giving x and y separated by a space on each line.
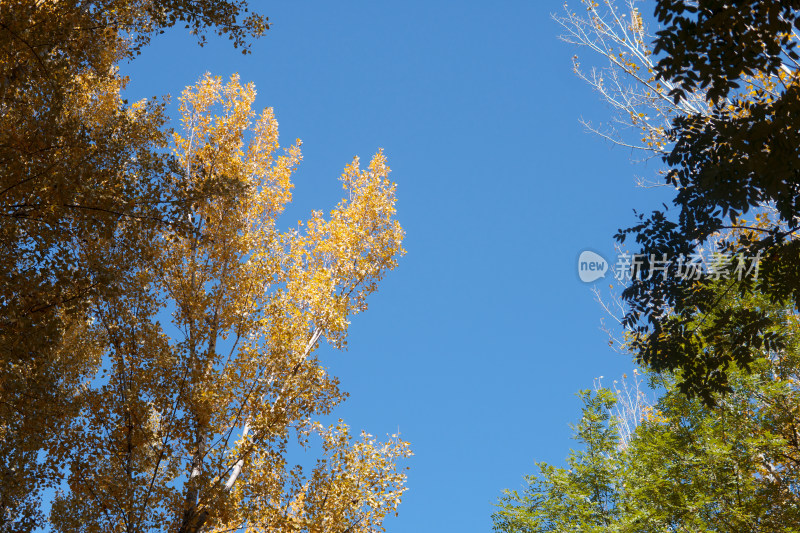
77 167
107 225
192 428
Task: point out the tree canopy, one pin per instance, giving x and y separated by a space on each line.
721 79
86 184
724 76
190 430
110 223
685 466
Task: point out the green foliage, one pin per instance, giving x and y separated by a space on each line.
688 467
719 325
734 467
703 469
581 497
739 160
712 43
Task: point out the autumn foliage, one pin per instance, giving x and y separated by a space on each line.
159 324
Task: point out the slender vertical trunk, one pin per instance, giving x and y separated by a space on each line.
193 516
129 468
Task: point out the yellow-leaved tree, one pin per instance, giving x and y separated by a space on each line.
86 186
104 233
187 427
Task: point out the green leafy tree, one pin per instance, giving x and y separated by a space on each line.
686 466
714 94
583 496
734 167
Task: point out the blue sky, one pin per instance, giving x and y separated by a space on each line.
475 345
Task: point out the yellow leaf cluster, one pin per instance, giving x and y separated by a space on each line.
189 426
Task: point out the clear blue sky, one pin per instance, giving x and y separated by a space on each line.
476 344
